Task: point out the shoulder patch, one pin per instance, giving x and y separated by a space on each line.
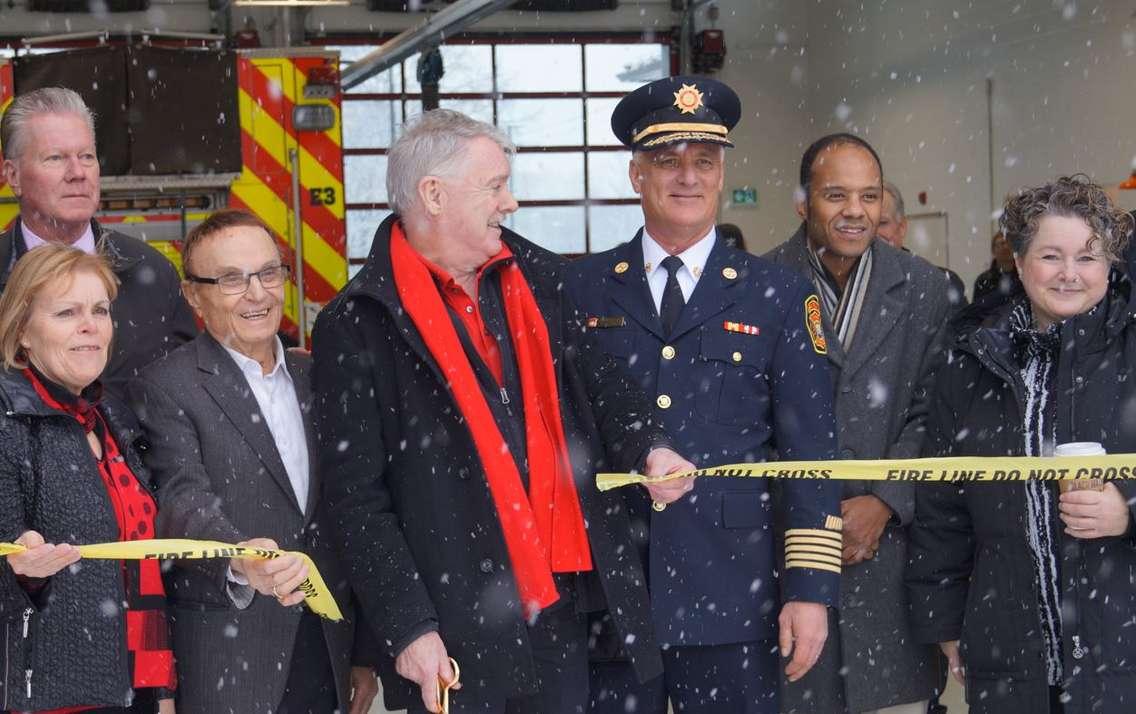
815 325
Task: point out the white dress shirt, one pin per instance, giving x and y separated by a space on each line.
86 242
276 396
693 263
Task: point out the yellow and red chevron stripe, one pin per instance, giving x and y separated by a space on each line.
8 210
268 91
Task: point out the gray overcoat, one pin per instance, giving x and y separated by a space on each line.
882 385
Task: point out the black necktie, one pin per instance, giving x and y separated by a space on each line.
673 301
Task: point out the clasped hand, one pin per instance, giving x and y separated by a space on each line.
275 577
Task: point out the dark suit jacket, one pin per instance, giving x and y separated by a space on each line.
731 398
220 477
150 316
412 511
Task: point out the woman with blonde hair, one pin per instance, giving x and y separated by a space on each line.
80 636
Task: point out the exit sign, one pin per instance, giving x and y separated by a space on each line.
745 196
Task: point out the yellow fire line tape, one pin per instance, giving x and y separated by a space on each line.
955 469
316 594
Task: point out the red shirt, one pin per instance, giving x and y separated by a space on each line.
467 309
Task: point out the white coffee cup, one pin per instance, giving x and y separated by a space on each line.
1080 448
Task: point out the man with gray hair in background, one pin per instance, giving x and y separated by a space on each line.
48 142
462 414
893 229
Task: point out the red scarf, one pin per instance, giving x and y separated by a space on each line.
544 529
147 633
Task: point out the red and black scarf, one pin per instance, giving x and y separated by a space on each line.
147 633
544 529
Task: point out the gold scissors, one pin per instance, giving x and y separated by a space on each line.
444 687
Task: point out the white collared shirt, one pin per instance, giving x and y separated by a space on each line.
86 242
276 396
693 263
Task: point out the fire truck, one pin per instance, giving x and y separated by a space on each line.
289 172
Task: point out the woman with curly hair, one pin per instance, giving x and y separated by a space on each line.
1028 590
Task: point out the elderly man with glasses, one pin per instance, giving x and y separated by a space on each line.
231 453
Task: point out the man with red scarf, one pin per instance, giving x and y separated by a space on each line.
462 416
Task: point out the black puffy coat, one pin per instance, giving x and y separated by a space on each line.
970 572
75 647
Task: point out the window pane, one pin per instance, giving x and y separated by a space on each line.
542 122
480 109
361 227
557 228
608 226
607 175
538 68
369 124
623 67
385 82
365 179
467 68
599 122
553 176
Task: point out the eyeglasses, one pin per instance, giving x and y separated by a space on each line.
237 283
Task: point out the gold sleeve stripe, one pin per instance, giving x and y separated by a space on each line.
807 553
813 540
819 532
834 523
802 563
826 552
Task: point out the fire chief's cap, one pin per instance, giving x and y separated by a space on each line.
674 110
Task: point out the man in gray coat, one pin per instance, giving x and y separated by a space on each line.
884 314
233 454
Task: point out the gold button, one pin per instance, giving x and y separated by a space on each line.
729 273
737 356
668 352
663 401
621 266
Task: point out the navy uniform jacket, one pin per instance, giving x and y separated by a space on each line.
726 397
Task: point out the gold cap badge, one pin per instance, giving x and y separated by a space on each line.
688 99
621 267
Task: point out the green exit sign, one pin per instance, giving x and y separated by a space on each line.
745 196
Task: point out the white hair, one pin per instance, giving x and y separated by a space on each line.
25 107
430 145
900 208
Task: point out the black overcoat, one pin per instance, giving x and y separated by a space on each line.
970 572
409 501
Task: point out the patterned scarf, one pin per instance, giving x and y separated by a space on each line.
1036 353
147 633
544 528
843 307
